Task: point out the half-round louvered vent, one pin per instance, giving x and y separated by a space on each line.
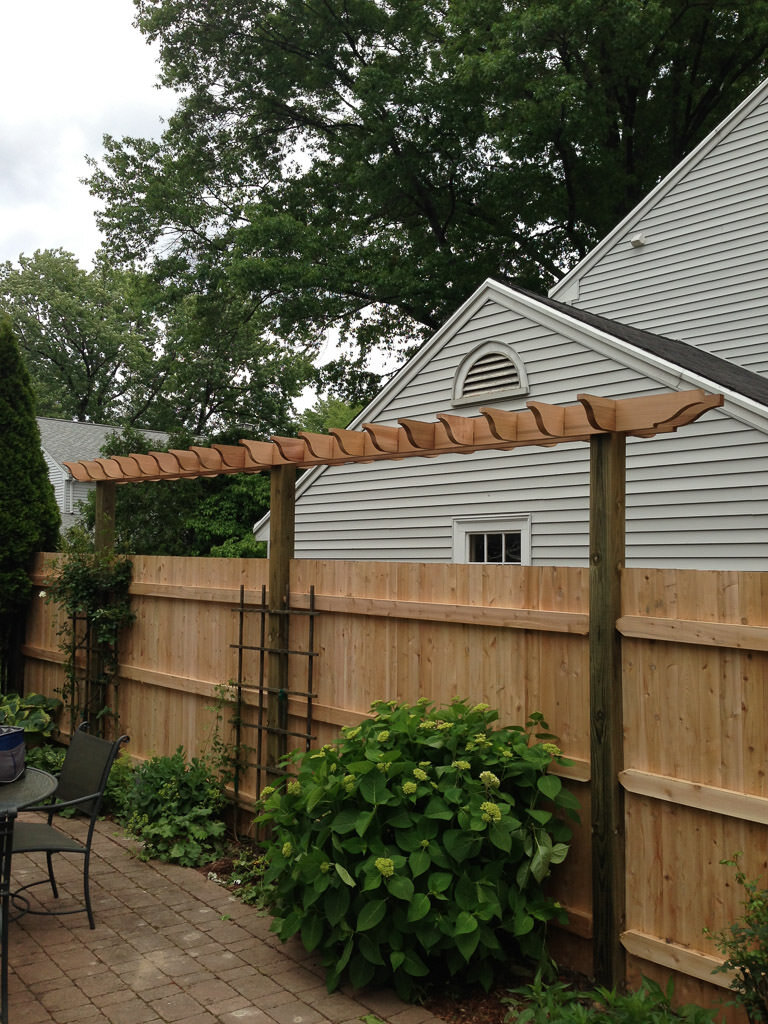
491 372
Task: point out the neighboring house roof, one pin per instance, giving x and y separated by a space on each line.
675 364
567 286
68 440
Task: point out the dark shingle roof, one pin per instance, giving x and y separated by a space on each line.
720 371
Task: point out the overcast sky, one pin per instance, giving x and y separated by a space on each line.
71 70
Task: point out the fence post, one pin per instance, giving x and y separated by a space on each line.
606 560
104 524
282 531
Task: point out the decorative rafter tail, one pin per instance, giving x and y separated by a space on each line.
264 453
421 434
502 424
460 430
601 412
322 446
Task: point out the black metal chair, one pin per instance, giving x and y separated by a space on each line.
81 785
7 819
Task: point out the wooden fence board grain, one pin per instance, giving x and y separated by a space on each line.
695 680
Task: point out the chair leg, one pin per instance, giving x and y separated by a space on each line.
4 916
87 889
51 876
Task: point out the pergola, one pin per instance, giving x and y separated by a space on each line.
603 422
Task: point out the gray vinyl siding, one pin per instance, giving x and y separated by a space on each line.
695 499
702 276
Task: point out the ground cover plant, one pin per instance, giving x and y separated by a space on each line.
416 846
560 1003
175 808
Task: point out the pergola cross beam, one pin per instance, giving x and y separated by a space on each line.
448 434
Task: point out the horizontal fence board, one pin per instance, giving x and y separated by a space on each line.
693 794
678 631
677 958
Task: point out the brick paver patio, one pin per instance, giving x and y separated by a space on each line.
169 946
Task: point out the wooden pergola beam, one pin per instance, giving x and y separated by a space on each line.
494 430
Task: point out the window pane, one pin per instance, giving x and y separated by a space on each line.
493 547
512 548
477 547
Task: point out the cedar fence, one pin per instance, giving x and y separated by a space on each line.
694 650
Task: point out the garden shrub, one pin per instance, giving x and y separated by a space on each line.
416 846
744 944
175 808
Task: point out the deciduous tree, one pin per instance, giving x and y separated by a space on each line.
365 165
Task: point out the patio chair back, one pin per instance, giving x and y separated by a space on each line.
86 769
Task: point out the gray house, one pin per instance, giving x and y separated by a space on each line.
70 440
676 297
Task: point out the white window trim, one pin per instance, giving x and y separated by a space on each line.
488 347
463 526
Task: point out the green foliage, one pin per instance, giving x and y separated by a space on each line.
86 346
417 845
558 1003
105 345
201 517
175 807
34 711
48 757
117 794
92 588
745 947
29 516
370 178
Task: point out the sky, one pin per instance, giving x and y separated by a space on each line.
71 71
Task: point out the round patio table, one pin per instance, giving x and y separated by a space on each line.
34 786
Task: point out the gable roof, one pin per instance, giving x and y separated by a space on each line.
664 187
67 440
673 363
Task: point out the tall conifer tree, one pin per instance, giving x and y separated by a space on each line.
29 516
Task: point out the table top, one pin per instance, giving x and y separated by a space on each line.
34 787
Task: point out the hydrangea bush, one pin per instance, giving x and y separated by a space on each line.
416 846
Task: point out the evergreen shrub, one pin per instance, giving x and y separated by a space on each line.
416 846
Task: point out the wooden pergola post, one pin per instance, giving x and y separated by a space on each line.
104 523
606 560
282 531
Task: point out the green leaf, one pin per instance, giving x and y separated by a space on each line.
344 875
374 788
361 971
439 881
460 844
370 949
364 819
500 837
549 785
371 915
419 862
336 903
419 907
465 924
467 943
400 887
438 808
312 932
396 958
345 821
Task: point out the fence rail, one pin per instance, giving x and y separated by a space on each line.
695 680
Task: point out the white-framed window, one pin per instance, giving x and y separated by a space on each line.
490 372
500 540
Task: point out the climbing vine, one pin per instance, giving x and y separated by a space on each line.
92 589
